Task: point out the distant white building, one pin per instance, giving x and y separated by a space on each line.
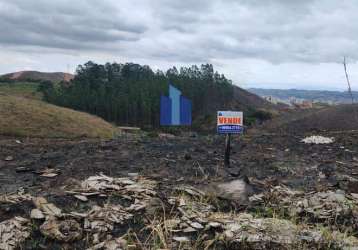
301 103
271 99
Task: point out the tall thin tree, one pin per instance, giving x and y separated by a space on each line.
349 84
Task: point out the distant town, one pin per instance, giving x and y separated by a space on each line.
304 98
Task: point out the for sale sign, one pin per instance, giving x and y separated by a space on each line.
230 122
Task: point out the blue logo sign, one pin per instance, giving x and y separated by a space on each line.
176 109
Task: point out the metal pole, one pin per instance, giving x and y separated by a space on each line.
227 150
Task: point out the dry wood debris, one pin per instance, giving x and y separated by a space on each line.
13 232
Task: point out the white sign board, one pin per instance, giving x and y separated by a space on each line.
230 122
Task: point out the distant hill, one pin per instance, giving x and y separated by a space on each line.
37 76
334 118
312 95
245 100
242 100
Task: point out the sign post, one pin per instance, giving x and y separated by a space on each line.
227 150
229 122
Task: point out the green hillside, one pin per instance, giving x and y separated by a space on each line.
21 89
23 114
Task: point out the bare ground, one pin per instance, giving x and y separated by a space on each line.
267 160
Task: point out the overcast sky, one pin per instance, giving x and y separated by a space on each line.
256 43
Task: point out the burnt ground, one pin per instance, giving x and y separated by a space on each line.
267 160
331 118
178 160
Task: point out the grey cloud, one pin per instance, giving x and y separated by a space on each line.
183 16
276 31
65 24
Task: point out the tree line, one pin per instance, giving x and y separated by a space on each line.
129 94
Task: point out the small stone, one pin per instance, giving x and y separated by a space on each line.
181 239
81 198
51 175
9 158
196 225
37 214
48 172
318 140
354 195
236 190
189 230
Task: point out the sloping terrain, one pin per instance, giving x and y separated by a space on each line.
39 76
32 118
334 118
245 100
21 89
242 100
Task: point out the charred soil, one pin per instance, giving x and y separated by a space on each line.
140 192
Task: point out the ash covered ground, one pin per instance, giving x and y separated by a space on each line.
141 192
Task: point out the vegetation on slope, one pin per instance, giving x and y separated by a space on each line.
37 76
130 93
27 117
21 89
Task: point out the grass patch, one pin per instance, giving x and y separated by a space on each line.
24 117
21 89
